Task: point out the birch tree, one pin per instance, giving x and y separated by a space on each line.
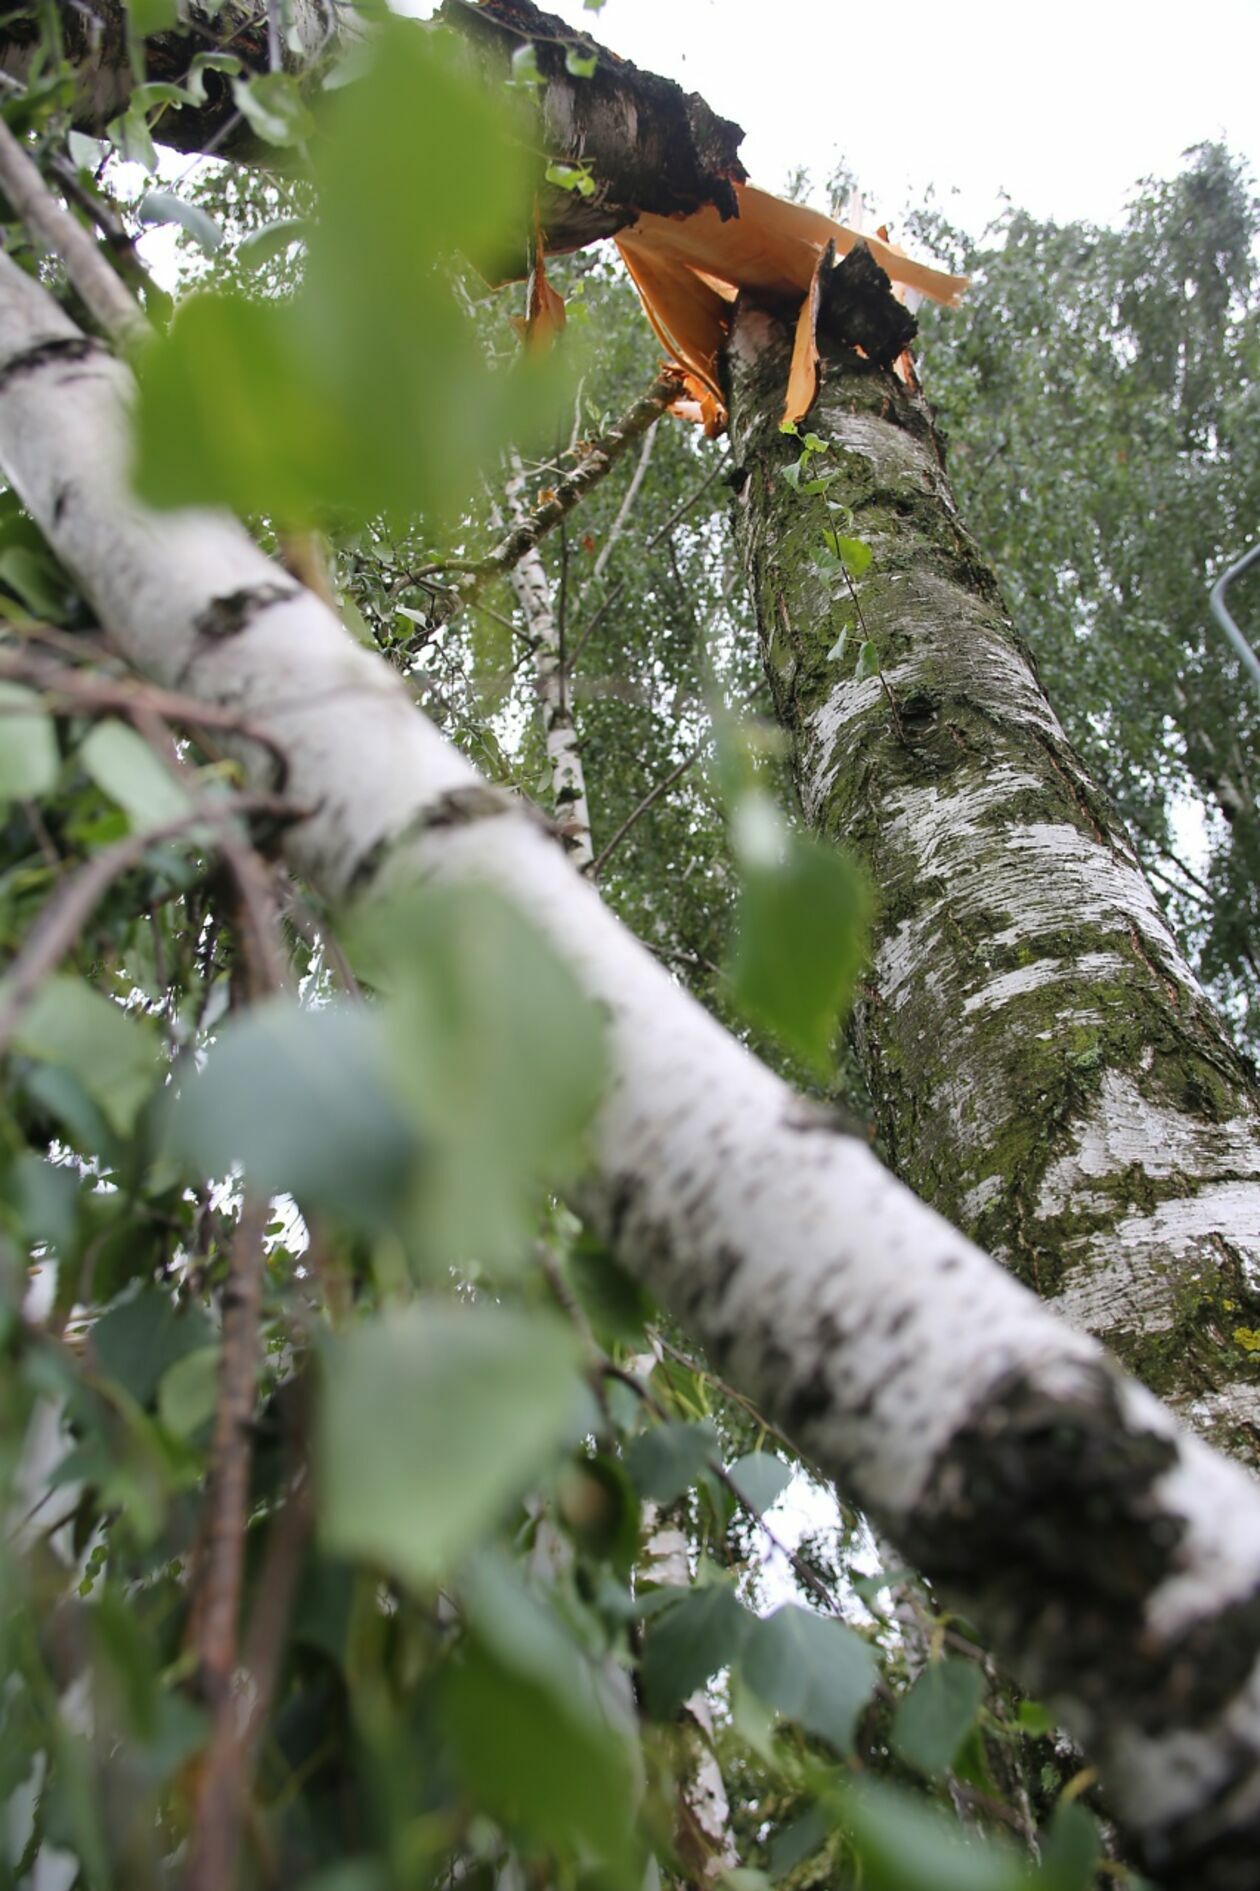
444 1707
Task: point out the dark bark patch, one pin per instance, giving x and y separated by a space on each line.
857 308
235 611
48 354
810 1401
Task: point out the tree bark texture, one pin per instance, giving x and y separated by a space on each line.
1044 1067
1113 1558
532 587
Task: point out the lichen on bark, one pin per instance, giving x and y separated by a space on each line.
1044 1067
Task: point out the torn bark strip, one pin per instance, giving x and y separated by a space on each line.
1114 1558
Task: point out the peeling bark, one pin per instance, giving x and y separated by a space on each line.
1045 1069
1113 1558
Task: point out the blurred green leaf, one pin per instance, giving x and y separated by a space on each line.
262 246
124 767
666 1460
187 1392
152 16
303 1099
580 65
498 1050
867 661
29 761
537 1731
113 1053
33 574
132 136
800 940
905 1844
1070 1849
686 1645
272 105
934 1718
163 206
431 1420
137 1340
368 390
760 1478
614 1303
817 1672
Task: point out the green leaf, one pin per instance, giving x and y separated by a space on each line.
34 575
498 1052
525 66
262 246
792 473
162 206
273 107
760 1478
867 661
857 555
131 135
29 761
570 177
817 1672
840 648
187 1391
124 767
800 942
538 1734
208 62
1070 1849
907 1845
303 1099
1034 1719
614 1303
136 1341
814 443
667 1459
580 65
368 390
112 1053
935 1717
686 1645
152 16
431 1420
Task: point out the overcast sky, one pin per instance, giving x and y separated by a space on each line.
1063 107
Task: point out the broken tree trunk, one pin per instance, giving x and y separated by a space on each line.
1043 1065
1113 1559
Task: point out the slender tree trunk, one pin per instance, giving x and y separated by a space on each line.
568 781
1044 1067
1113 1559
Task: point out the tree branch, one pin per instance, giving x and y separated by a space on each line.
650 798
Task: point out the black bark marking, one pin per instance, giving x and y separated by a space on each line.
725 1267
857 308
49 354
229 615
811 1400
63 492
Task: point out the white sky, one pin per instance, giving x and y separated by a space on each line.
1064 107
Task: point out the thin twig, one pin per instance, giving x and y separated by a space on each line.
84 690
68 910
653 795
626 506
527 532
214 1840
680 510
86 264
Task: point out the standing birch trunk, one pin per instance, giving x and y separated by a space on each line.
1113 1558
1044 1067
533 593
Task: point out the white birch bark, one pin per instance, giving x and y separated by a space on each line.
1045 1067
1113 1558
568 780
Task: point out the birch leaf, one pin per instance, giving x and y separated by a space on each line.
907 1845
815 1671
667 1459
111 1053
935 1717
29 761
431 1420
124 767
163 206
760 1478
800 940
689 1643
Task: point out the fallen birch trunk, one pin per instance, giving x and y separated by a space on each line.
1113 1559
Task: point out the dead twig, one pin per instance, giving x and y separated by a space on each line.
653 795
